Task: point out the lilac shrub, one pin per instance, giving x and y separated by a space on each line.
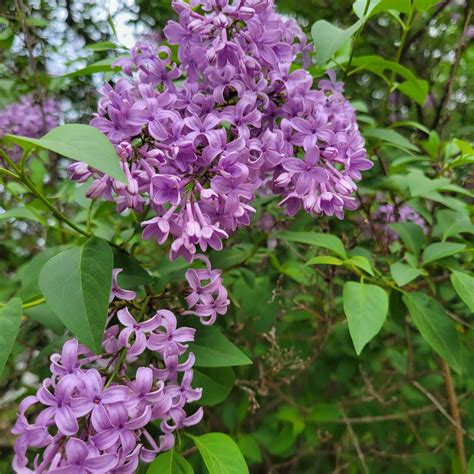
29 119
105 413
199 139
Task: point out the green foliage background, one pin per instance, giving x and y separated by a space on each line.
308 403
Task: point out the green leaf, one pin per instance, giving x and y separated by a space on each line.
435 327
101 46
318 239
329 38
170 462
440 250
464 286
324 260
411 234
366 307
404 274
80 143
361 262
43 314
424 5
76 285
249 447
21 213
378 6
421 185
391 137
221 454
451 223
216 384
132 274
416 90
104 65
213 349
10 318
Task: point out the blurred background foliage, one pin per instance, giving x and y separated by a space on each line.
309 404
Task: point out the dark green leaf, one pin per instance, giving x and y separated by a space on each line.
132 274
10 317
464 286
80 143
440 250
390 137
213 349
221 454
366 307
435 327
416 90
216 384
76 285
170 462
412 236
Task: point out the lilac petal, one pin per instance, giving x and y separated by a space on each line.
102 463
66 421
106 439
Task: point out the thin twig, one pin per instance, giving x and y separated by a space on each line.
355 441
454 408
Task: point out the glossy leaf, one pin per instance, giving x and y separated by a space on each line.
318 239
464 286
440 250
221 454
213 349
10 318
170 462
80 143
366 307
435 327
76 285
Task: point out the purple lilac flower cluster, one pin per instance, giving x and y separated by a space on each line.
388 213
197 140
29 119
94 412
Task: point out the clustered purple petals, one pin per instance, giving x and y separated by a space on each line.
208 296
103 414
29 119
199 139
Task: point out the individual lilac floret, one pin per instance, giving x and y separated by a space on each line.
199 140
29 119
208 296
94 414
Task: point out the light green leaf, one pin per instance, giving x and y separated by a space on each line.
361 262
213 349
435 327
216 384
411 234
104 65
101 46
390 137
21 213
366 307
329 38
80 143
324 260
421 185
452 223
464 286
76 285
404 274
425 5
221 454
378 6
440 250
10 318
170 462
318 239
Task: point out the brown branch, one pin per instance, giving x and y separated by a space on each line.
454 408
355 442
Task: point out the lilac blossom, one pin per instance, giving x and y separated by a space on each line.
199 140
28 118
92 414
